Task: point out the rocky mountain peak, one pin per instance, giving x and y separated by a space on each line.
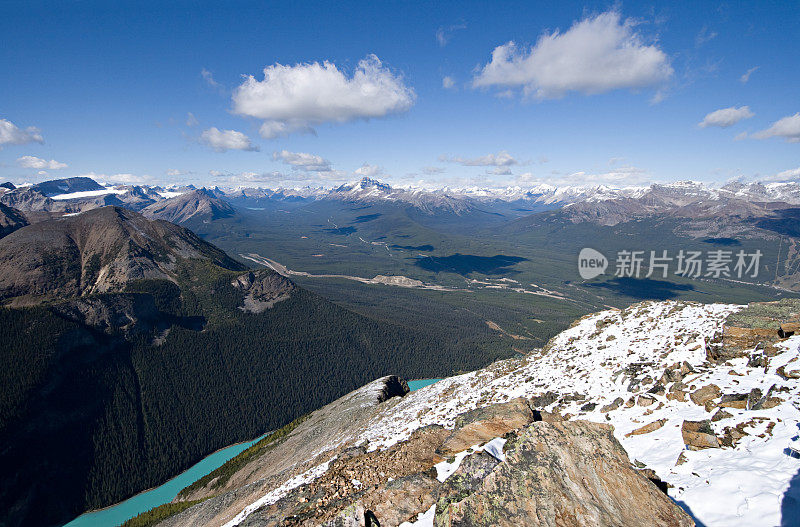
96 251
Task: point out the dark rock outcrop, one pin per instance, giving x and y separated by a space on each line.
263 289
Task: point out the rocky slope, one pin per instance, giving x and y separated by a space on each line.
202 205
98 251
710 418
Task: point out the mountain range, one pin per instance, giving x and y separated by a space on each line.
586 203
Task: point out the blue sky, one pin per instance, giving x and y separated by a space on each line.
591 93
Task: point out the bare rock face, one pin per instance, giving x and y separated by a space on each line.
108 313
263 288
483 424
698 435
566 474
702 395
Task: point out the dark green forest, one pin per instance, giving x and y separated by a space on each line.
108 415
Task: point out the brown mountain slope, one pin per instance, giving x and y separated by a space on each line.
97 251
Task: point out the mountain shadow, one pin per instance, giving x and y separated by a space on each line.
786 222
727 242
367 217
426 247
644 288
341 231
465 264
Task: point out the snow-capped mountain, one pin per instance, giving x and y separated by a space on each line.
369 190
596 203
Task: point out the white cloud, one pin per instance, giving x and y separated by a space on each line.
597 54
705 35
740 136
432 170
209 78
39 163
296 98
746 76
500 159
132 179
788 128
616 177
223 140
303 161
367 170
448 82
250 177
500 171
124 179
10 134
726 117
175 172
443 34
785 176
191 120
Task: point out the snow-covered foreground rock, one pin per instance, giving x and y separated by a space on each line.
645 371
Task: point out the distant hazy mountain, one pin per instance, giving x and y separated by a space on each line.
598 203
30 200
370 191
66 186
200 204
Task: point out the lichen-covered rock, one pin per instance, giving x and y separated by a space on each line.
567 474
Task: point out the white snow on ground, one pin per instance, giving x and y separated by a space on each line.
741 486
424 519
274 495
90 193
167 194
494 448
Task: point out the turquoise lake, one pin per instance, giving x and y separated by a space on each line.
124 511
421 383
